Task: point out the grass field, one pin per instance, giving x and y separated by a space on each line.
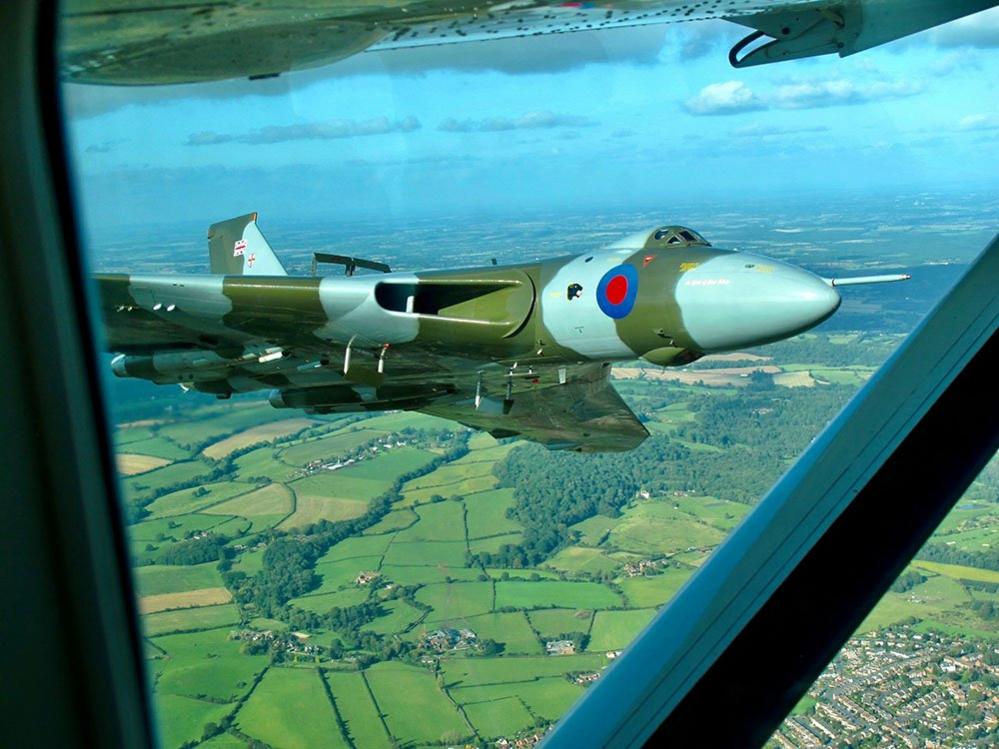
339 484
323 602
124 435
197 498
327 447
550 698
974 539
554 593
547 697
185 620
232 418
958 572
146 485
414 707
266 502
927 600
358 712
276 711
310 508
262 463
460 488
185 600
130 464
449 553
499 717
552 622
654 590
722 514
613 630
399 617
799 379
393 521
182 719
250 562
393 422
158 447
343 572
593 530
157 579
357 546
262 433
223 741
441 521
455 602
656 528
510 628
582 559
494 544
431 573
451 473
487 513
165 530
470 672
206 664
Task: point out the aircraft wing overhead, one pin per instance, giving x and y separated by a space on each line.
124 42
585 413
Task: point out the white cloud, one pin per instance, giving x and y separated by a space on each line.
839 91
328 130
735 97
978 122
528 121
730 97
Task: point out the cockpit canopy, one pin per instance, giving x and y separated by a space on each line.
662 237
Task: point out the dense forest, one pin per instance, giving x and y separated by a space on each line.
753 435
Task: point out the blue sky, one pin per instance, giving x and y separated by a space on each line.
623 118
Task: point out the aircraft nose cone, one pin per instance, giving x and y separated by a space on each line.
738 299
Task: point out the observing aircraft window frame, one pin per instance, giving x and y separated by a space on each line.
72 581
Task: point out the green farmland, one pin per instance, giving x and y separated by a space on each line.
427 624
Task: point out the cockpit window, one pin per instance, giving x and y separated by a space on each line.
673 236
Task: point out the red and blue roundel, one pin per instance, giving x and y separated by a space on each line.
617 290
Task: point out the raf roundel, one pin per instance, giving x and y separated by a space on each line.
617 290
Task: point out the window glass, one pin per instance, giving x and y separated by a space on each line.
325 554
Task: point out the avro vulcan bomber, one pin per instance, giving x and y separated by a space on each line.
514 350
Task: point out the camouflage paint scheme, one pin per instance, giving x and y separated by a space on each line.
520 349
143 42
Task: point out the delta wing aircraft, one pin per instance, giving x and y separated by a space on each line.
132 42
519 349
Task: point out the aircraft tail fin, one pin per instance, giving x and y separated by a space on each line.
237 248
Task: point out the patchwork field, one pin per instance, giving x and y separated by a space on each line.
131 463
185 600
311 508
274 712
261 433
189 620
613 630
359 714
413 705
197 498
374 695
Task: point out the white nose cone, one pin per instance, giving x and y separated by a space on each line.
738 300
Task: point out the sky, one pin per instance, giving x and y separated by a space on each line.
617 119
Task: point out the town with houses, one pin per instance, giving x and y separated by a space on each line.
901 688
